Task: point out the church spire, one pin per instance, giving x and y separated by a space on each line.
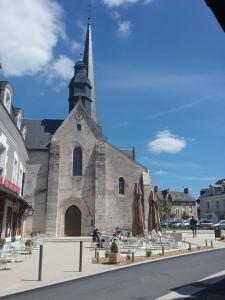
89 61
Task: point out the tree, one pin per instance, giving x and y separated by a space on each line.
164 208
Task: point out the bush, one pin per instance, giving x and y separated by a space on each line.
28 243
114 247
222 237
13 239
148 252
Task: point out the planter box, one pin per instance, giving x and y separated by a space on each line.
113 258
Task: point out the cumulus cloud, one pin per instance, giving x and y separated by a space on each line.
61 68
166 142
117 3
29 31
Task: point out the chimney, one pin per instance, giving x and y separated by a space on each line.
165 192
186 190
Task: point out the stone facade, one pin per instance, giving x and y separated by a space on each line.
212 201
182 204
72 194
13 158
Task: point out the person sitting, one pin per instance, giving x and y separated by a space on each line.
117 234
97 237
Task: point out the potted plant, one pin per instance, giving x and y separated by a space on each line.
28 245
148 252
2 242
113 255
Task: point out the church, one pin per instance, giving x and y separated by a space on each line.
75 179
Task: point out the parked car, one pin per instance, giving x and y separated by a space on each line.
204 223
221 224
164 224
185 224
176 223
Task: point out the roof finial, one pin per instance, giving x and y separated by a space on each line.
81 56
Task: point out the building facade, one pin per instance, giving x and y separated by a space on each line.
181 205
212 201
76 179
13 157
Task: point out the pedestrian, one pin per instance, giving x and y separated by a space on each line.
193 224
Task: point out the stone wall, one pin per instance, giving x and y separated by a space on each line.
36 184
119 207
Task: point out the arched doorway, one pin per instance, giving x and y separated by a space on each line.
73 221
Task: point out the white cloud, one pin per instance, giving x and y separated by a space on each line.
203 178
124 29
166 142
117 3
28 33
160 172
62 68
76 46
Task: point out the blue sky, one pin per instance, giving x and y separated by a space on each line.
159 70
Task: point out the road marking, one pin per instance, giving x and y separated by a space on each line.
188 290
184 292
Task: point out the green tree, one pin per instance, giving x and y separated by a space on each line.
164 209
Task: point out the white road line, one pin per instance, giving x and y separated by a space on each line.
188 290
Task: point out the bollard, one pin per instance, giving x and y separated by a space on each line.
162 251
132 259
211 244
97 256
40 263
206 243
189 247
81 256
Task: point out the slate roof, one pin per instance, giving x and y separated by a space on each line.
39 132
181 197
128 152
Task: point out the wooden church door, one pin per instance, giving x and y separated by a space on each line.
73 221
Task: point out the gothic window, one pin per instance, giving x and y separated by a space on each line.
78 127
121 186
77 161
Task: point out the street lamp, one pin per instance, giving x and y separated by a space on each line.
30 210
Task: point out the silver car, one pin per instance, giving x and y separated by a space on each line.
221 224
204 223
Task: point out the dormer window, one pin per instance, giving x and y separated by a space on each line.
7 100
24 132
18 120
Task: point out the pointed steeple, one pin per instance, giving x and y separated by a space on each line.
89 61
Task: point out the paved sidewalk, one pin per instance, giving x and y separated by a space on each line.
61 263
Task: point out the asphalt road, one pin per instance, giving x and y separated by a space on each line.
141 282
